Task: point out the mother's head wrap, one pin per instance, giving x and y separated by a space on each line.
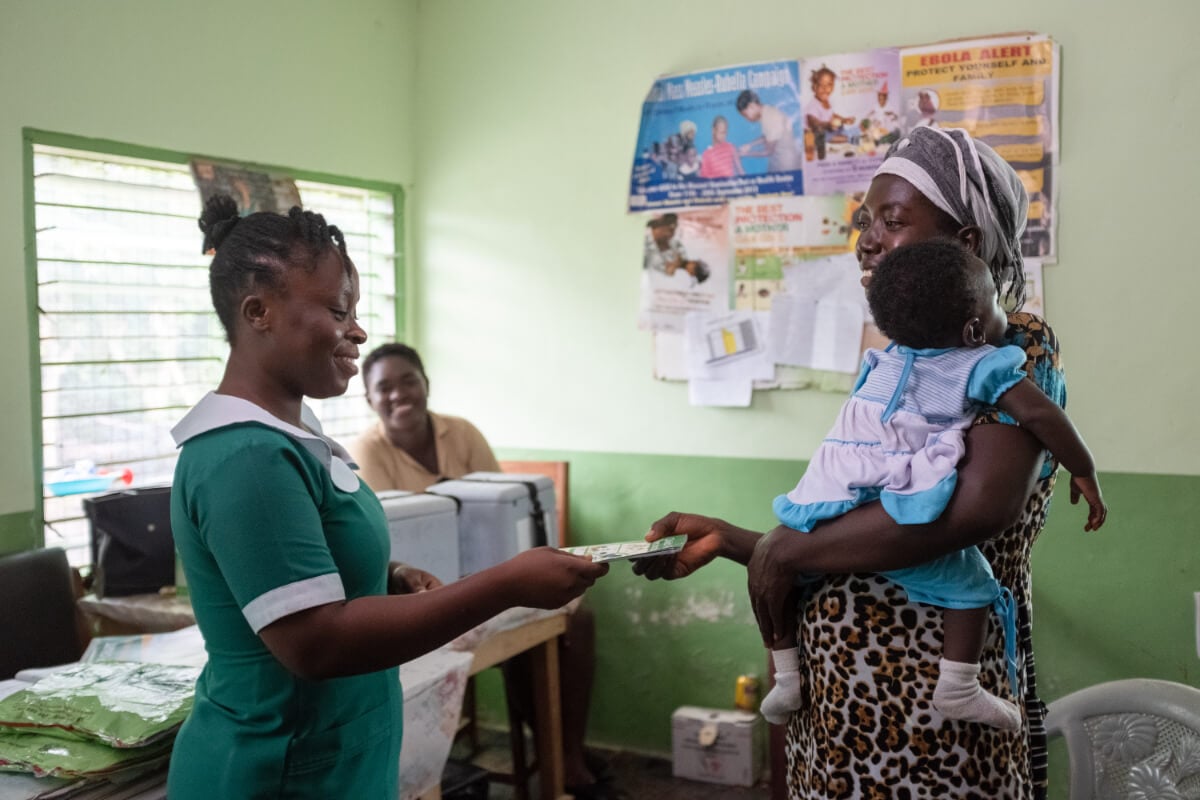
966 179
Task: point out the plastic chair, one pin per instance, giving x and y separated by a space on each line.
1136 738
39 626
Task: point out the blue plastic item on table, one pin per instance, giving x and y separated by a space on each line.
81 485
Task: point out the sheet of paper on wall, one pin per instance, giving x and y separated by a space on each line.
821 277
730 393
792 328
837 336
670 357
818 321
1035 291
729 346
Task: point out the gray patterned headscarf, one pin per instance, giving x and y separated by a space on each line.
966 179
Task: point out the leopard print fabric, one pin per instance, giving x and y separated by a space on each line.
868 663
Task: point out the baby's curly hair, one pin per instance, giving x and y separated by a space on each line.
922 295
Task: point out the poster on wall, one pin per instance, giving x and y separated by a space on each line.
1004 91
252 190
706 137
771 233
851 115
749 177
685 266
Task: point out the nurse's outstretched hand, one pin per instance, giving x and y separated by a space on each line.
545 577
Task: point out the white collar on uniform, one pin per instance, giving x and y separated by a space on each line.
221 410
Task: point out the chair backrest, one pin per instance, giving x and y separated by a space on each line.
1131 738
37 611
558 472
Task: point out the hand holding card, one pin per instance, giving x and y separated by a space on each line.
630 550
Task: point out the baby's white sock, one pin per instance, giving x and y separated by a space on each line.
784 697
958 695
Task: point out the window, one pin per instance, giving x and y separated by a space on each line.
128 339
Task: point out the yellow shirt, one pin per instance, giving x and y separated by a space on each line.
461 448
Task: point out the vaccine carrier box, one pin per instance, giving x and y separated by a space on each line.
423 529
541 488
717 746
496 519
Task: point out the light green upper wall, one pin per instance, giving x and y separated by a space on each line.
323 86
528 267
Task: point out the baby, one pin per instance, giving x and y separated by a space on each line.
898 439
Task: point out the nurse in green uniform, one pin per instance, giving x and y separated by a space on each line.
286 551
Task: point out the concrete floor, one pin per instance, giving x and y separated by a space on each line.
638 777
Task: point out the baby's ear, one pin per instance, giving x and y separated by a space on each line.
973 334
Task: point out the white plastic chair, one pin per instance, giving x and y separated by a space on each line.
1134 739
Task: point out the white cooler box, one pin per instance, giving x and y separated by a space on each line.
496 516
717 746
424 532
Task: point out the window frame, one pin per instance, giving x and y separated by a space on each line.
32 137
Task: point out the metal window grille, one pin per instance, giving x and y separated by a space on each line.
127 335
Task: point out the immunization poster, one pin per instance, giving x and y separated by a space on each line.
851 115
749 176
252 190
770 234
1003 91
706 137
685 266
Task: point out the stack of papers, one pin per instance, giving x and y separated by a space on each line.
90 720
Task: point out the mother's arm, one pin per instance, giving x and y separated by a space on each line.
995 480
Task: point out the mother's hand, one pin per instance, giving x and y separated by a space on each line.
707 538
772 573
702 546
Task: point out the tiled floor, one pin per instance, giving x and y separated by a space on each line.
638 777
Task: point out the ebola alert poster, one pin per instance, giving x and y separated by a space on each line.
1003 91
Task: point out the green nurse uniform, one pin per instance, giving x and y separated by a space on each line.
269 520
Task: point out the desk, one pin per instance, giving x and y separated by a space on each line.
539 636
154 613
136 613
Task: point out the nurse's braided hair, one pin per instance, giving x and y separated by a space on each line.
257 250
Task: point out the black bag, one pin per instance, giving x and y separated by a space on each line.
133 551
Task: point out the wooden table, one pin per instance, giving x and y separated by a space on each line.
160 613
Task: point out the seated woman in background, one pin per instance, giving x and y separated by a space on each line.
410 449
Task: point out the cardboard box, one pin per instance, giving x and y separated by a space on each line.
717 746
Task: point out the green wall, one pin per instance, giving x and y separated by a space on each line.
321 85
526 266
512 126
529 113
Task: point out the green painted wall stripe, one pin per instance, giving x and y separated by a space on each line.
1107 605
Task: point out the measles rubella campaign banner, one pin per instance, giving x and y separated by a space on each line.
707 137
